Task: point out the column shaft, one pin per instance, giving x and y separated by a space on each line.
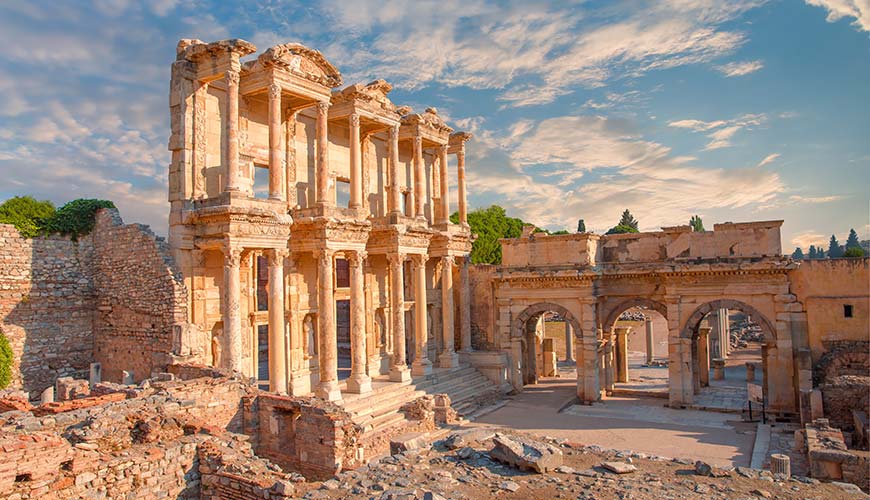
399 366
448 358
569 342
232 317
445 188
355 163
421 365
231 131
704 355
276 167
277 347
419 176
460 171
724 333
328 352
359 381
650 347
621 354
465 305
394 197
322 163
608 367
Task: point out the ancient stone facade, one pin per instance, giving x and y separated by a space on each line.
344 254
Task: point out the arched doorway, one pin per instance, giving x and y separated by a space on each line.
537 328
635 332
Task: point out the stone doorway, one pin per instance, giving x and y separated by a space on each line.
539 330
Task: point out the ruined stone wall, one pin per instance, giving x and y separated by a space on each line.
482 303
141 299
47 304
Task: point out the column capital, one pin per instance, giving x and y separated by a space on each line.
232 77
322 106
418 142
396 258
419 259
356 257
394 133
442 149
276 256
448 260
274 91
323 253
353 118
232 255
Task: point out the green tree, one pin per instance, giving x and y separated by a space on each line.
490 225
798 254
6 359
834 248
77 218
621 229
852 240
581 226
697 224
27 214
628 220
853 252
820 253
813 253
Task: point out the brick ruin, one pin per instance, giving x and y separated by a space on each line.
295 325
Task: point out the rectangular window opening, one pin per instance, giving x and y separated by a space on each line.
261 181
342 192
342 273
847 310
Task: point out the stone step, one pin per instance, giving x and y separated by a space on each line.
390 394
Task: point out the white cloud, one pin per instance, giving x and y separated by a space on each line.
814 199
838 9
740 68
806 238
768 159
722 130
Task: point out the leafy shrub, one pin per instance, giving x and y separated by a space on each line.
27 214
77 218
621 229
5 362
854 252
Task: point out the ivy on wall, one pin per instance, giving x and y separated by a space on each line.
5 362
38 218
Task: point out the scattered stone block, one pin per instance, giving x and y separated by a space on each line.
526 454
619 467
407 442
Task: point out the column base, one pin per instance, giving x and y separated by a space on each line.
328 391
448 359
300 383
400 373
278 388
421 368
359 384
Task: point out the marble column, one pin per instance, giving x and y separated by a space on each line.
460 171
650 346
322 160
277 347
419 177
448 358
327 354
231 356
569 342
398 364
359 381
231 131
276 167
465 304
704 355
608 367
445 186
355 163
421 364
621 353
394 197
724 333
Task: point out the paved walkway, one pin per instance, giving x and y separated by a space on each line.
639 424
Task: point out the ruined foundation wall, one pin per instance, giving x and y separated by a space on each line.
47 304
142 300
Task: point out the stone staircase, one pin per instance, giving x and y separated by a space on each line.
378 410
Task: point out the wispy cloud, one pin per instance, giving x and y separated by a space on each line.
839 9
814 199
721 131
804 239
740 68
768 159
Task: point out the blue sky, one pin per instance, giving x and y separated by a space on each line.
734 110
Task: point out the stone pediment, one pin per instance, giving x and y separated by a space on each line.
429 119
298 60
193 49
372 96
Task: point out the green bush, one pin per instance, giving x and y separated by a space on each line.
622 229
77 218
854 252
27 214
5 362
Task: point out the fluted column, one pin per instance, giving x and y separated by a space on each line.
448 358
232 316
399 365
724 333
445 188
419 176
622 354
393 198
359 381
327 355
421 365
276 168
465 305
460 174
355 163
277 346
322 163
231 131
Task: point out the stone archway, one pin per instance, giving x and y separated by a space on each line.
523 329
616 363
627 304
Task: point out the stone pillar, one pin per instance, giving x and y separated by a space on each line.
448 358
419 176
718 369
277 348
355 163
569 342
465 305
445 188
724 333
704 355
276 167
231 349
460 171
328 353
608 367
231 131
650 345
322 162
393 203
622 354
398 364
750 371
359 381
421 365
